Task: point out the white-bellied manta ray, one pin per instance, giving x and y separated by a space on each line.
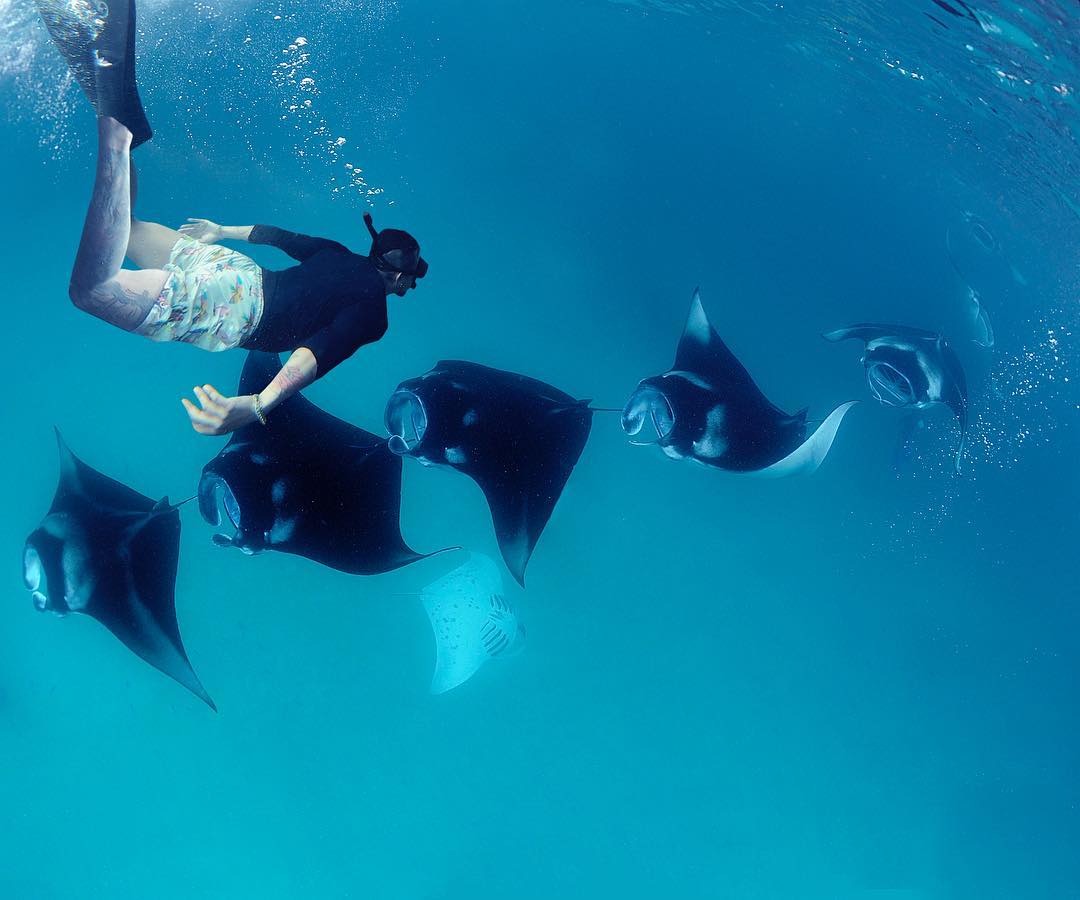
108 552
910 367
306 483
517 438
472 621
708 409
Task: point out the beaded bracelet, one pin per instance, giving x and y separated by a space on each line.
259 414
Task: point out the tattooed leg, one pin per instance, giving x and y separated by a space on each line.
98 284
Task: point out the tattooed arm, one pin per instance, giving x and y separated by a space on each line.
299 246
298 372
217 414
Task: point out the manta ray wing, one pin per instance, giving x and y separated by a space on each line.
703 353
333 490
142 613
121 551
522 491
78 480
811 452
471 621
356 527
476 372
869 331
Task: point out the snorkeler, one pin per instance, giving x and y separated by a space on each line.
186 289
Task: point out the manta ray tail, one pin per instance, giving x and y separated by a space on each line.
811 452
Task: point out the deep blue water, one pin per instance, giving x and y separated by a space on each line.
855 684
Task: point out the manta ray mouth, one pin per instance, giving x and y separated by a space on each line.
223 509
889 385
406 422
648 411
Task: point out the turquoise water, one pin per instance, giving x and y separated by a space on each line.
857 684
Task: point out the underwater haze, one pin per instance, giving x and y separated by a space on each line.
858 683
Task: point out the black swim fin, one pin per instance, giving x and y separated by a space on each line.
114 72
98 44
73 34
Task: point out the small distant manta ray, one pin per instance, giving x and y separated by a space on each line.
306 483
708 409
966 14
911 368
517 438
472 621
984 331
106 551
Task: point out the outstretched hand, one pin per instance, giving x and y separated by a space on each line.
202 230
217 414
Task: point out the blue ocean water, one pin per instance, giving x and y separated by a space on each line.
855 684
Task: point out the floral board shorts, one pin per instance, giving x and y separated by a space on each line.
213 298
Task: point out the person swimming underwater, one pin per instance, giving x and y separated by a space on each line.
190 290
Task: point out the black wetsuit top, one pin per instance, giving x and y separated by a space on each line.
333 303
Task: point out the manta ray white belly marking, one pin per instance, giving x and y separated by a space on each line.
713 443
934 383
279 491
472 621
281 532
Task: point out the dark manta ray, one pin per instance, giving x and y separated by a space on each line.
306 483
707 408
517 438
108 552
909 367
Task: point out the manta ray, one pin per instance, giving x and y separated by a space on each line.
517 438
708 409
306 483
911 368
106 551
472 620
